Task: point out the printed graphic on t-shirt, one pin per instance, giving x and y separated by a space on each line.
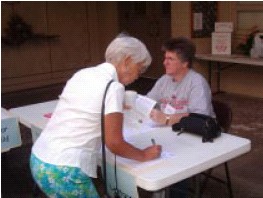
178 104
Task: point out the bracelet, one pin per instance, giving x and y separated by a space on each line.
167 120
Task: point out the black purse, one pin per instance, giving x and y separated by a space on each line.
199 124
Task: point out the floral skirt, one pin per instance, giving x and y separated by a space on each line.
61 181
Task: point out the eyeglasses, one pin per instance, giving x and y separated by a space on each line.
170 59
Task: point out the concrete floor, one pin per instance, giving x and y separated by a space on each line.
246 171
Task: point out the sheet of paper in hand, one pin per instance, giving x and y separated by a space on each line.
144 105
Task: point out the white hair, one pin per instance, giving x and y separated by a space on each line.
126 46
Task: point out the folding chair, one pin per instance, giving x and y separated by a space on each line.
224 117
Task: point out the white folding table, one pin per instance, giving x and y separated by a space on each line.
189 156
233 59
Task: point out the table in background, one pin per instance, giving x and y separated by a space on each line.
230 59
190 155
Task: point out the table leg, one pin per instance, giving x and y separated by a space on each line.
159 194
229 185
152 194
197 193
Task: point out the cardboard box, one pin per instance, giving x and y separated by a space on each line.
224 27
10 131
221 43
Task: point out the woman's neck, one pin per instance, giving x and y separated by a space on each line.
180 76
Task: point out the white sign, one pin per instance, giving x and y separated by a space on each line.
10 131
221 43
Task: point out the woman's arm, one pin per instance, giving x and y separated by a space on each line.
116 143
166 119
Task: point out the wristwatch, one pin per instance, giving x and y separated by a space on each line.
167 120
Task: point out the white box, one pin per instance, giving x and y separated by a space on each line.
223 27
10 132
221 43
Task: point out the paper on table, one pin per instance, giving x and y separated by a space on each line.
138 165
137 120
144 105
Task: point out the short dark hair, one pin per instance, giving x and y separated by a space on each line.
183 47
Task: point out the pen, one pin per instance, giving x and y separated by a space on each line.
153 141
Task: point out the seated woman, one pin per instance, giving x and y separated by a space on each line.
180 91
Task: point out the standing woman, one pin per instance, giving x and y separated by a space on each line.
64 157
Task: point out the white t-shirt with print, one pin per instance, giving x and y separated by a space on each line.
192 94
72 137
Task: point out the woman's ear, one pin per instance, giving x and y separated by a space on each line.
185 64
127 60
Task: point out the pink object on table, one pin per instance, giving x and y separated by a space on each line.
48 115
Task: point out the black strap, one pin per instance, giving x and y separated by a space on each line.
103 139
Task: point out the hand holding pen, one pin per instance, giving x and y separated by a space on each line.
153 152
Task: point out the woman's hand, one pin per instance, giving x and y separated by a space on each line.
158 116
152 152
